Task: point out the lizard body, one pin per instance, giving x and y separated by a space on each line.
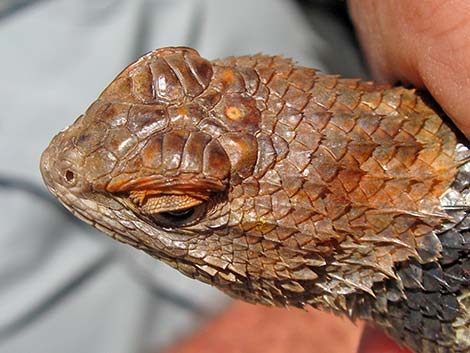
281 186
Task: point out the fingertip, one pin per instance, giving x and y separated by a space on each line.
374 341
419 44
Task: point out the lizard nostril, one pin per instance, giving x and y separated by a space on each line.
69 176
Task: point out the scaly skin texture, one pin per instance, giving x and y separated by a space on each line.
281 186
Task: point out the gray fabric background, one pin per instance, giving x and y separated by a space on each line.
63 286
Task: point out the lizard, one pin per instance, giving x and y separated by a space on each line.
281 186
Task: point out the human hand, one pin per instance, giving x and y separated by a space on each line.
424 43
374 341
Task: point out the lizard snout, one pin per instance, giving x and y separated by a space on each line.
60 166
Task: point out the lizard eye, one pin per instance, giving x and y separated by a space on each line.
178 215
170 210
181 217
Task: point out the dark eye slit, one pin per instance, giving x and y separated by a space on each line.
178 215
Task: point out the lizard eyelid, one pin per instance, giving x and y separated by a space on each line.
170 210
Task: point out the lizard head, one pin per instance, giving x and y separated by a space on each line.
158 161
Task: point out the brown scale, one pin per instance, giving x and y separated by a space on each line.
280 186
